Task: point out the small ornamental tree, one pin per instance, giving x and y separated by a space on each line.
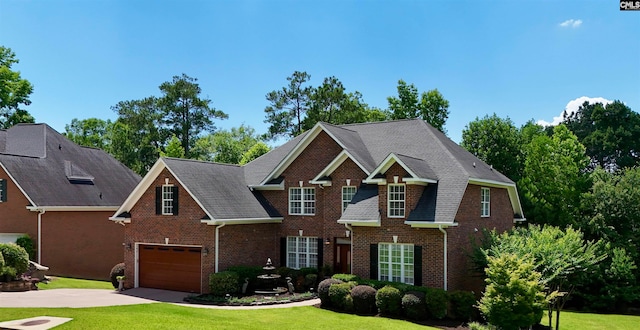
514 297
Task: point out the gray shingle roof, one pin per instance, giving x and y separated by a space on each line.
364 205
41 160
221 189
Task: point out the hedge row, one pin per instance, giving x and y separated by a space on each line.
220 284
352 294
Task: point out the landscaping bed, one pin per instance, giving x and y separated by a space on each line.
249 300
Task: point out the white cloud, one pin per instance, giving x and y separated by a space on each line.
571 23
572 107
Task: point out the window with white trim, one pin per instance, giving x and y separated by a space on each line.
485 202
3 190
302 201
167 200
302 252
395 200
347 195
395 262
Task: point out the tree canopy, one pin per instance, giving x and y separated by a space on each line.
288 106
430 106
90 132
14 91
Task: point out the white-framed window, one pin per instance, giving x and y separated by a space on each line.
167 200
395 262
302 252
3 190
347 195
485 202
302 201
396 200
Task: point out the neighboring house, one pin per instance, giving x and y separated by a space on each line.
62 195
395 201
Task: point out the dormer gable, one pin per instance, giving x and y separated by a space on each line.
418 171
324 177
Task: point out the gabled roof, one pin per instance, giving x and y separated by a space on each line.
56 174
363 208
219 189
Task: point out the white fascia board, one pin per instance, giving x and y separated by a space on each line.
334 165
72 208
246 221
120 220
387 163
430 224
142 186
361 223
380 182
17 184
511 189
418 181
279 186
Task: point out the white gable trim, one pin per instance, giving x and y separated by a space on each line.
246 221
387 163
18 185
335 164
430 224
511 189
72 208
361 223
298 149
144 185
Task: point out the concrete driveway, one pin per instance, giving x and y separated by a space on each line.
79 298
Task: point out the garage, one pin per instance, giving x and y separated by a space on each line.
170 267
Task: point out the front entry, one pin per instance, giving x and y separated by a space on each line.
342 260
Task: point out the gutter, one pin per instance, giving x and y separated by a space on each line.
218 245
444 232
350 229
40 213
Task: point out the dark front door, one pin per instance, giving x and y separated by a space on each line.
342 261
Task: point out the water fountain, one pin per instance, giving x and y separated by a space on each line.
269 281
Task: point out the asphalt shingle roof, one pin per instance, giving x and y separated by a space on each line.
43 163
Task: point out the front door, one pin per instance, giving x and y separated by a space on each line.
342 260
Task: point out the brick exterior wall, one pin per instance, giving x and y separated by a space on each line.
75 244
469 229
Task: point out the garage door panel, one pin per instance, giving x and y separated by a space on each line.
171 268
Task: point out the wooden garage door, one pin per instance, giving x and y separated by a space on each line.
170 267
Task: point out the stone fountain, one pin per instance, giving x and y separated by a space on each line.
268 282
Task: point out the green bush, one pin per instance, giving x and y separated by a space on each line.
364 300
310 281
338 293
346 277
27 243
413 305
323 290
308 270
16 261
462 305
250 272
117 270
389 301
223 283
436 301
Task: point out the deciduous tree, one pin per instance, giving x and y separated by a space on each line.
14 91
431 106
90 132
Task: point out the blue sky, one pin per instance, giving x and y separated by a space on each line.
521 59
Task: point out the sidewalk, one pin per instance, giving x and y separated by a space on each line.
80 298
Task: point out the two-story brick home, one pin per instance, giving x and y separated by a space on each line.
395 201
61 195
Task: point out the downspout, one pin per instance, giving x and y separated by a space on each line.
445 255
40 213
350 229
218 244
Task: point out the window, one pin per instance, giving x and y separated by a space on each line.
3 190
347 195
167 200
302 252
396 200
395 262
302 201
485 202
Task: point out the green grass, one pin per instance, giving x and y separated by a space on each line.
588 321
74 283
168 316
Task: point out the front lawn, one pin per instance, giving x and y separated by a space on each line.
74 283
588 321
168 316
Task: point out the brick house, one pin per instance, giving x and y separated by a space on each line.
62 195
394 201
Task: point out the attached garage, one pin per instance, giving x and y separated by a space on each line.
170 267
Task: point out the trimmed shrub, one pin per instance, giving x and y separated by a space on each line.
348 303
117 270
16 261
310 281
413 305
461 305
364 300
389 300
338 293
346 277
27 243
323 290
250 272
436 302
308 270
223 283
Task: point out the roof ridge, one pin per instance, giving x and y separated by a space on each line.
381 122
201 161
403 155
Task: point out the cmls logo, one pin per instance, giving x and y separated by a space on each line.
629 5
